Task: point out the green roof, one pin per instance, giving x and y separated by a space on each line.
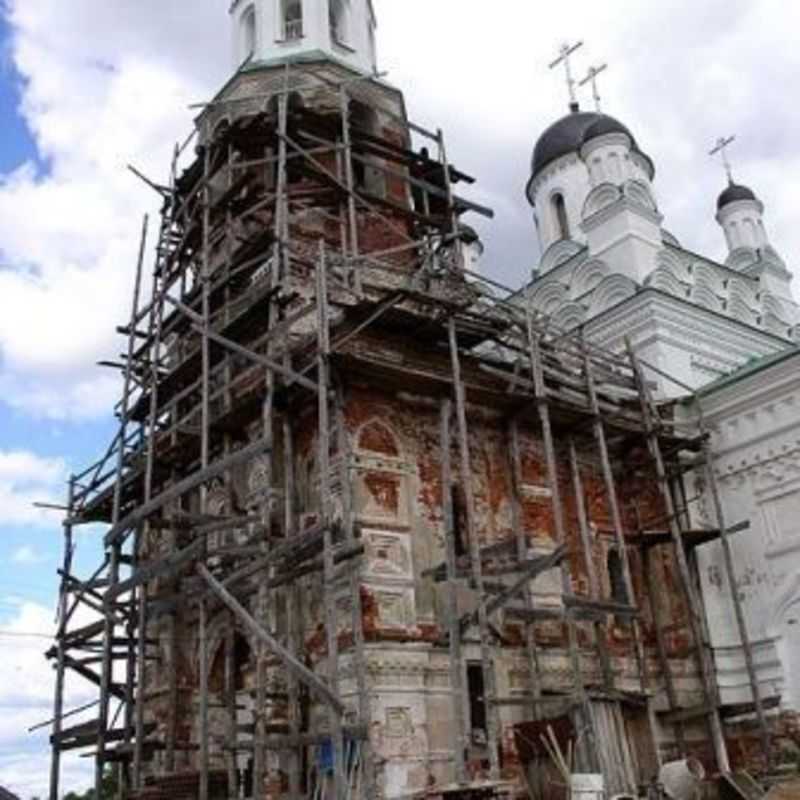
752 367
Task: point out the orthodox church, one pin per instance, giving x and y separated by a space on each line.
374 528
721 338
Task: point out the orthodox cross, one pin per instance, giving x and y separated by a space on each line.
592 78
564 58
722 147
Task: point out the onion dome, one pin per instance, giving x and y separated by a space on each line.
733 193
570 133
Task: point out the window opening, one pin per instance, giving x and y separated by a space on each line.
459 521
292 20
477 703
339 13
249 32
367 174
616 577
560 208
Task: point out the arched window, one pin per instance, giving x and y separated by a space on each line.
560 214
340 20
249 34
292 14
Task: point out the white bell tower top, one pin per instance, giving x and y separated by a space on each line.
272 31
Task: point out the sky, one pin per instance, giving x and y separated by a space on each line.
89 86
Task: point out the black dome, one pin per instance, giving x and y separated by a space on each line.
570 133
733 193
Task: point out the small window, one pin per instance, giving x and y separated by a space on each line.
560 211
460 534
477 704
292 20
339 20
616 577
249 37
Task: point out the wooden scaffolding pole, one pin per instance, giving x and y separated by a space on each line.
293 614
741 622
492 713
458 696
531 650
356 615
693 602
344 100
329 574
61 647
205 421
619 537
600 632
543 408
154 333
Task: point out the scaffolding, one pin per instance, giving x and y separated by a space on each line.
265 291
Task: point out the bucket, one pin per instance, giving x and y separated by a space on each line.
681 779
587 787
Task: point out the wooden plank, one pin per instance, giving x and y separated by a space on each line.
531 615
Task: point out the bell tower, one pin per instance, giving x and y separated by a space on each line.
272 31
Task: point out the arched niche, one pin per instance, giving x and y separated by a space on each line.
381 496
375 436
785 627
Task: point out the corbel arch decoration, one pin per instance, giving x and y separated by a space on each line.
569 316
639 192
611 292
703 295
588 276
602 196
665 280
548 297
558 253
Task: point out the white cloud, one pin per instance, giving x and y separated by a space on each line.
98 95
25 479
26 699
108 83
27 555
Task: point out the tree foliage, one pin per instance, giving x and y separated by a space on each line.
108 790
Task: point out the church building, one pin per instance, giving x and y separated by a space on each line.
379 527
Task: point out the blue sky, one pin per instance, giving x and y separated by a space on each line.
110 82
17 145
